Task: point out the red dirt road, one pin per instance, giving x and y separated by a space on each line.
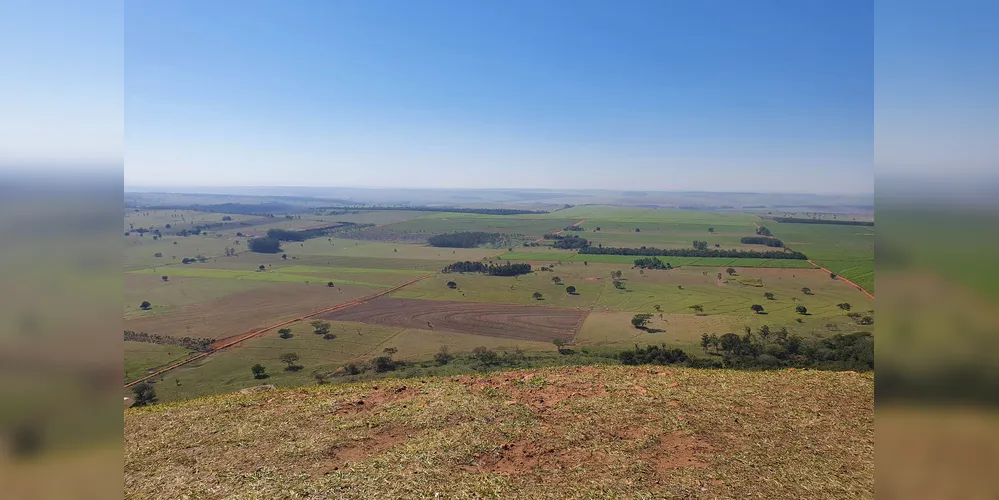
495 320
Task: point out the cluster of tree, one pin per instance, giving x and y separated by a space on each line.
201 345
465 239
700 245
652 263
573 228
264 245
653 355
692 252
306 234
571 243
762 240
507 269
773 349
763 231
197 258
798 220
484 211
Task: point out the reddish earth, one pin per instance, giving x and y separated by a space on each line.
495 320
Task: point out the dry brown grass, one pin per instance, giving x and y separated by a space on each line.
562 433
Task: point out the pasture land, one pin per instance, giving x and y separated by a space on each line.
143 356
242 312
225 296
844 250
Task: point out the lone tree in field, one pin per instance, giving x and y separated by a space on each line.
638 230
556 280
443 356
284 333
452 285
144 394
640 320
756 308
705 342
145 305
320 327
832 275
805 290
801 310
290 358
537 295
697 308
615 274
571 290
165 278
259 371
261 267
844 306
768 295
330 284
711 229
730 271
559 344
658 308
720 277
284 256
390 351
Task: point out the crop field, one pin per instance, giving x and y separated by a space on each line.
233 292
845 250
493 320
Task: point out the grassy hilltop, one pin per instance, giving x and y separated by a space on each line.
589 432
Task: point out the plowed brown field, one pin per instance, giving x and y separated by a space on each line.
496 320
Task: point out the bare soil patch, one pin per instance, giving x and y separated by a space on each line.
379 441
495 320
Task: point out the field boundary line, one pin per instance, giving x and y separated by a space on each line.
841 278
216 347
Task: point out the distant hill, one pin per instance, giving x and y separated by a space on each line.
635 432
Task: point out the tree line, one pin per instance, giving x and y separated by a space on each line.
272 242
507 269
762 240
766 349
800 220
483 211
571 242
307 234
464 239
652 263
693 252
194 344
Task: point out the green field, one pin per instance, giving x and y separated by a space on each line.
230 295
845 250
142 356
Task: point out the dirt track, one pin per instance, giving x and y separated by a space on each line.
495 320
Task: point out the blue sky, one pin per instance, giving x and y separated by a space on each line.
714 95
730 96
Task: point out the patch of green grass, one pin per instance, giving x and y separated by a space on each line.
142 356
844 250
